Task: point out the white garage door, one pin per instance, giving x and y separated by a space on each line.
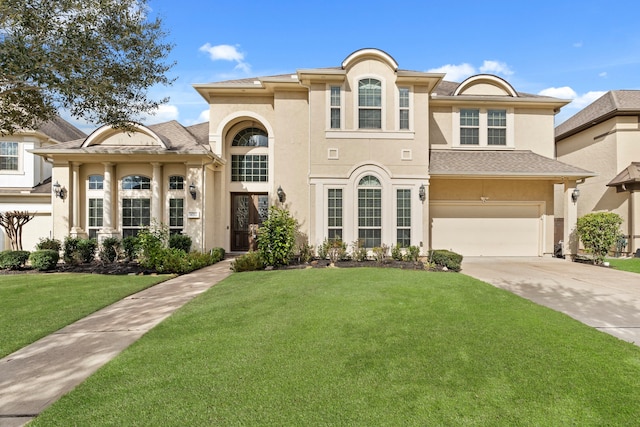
487 229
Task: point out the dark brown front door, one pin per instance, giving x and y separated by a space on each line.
247 212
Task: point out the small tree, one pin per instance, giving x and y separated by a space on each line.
12 222
277 237
599 231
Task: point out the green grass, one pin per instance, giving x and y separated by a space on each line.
629 264
361 347
35 305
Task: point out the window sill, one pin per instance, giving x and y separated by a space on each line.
369 134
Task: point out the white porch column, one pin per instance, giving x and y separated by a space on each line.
156 192
76 229
570 238
107 211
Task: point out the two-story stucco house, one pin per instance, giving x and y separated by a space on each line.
365 151
25 179
605 137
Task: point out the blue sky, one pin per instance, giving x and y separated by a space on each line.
568 49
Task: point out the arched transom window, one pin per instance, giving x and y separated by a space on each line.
251 137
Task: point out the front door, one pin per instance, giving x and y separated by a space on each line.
248 212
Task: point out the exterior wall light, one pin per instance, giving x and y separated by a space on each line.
282 196
192 190
58 190
422 193
575 194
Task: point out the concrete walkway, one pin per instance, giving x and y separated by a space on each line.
37 375
604 298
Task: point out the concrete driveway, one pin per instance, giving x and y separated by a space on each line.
606 299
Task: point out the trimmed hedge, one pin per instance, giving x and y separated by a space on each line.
109 249
78 251
13 260
251 261
444 258
44 260
180 241
48 243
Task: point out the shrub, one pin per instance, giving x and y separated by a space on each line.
277 237
323 249
396 253
151 242
109 249
337 250
180 241
251 261
130 246
47 243
444 258
217 254
380 253
13 260
599 231
359 253
306 252
45 259
412 254
78 250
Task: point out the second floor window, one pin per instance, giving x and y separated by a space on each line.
176 182
250 168
497 127
369 104
335 107
8 156
403 101
469 127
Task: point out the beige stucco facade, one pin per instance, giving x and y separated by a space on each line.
364 152
605 138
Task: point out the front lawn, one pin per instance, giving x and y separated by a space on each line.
628 264
35 305
361 347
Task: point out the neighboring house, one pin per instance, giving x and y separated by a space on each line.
363 152
25 179
605 137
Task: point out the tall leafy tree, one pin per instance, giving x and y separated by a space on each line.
95 58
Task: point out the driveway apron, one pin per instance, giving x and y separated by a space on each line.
606 299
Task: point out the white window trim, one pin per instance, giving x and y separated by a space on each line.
132 194
93 194
356 104
410 108
329 106
20 170
483 129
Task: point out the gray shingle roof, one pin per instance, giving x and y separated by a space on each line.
500 163
176 137
611 103
61 130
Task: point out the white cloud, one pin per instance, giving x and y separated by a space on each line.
495 67
577 44
225 52
204 116
164 113
583 100
455 73
578 101
564 92
603 74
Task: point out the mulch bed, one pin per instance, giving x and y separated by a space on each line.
119 268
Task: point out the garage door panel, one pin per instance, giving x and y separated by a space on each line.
487 230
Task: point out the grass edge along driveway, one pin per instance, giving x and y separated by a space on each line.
361 347
35 305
